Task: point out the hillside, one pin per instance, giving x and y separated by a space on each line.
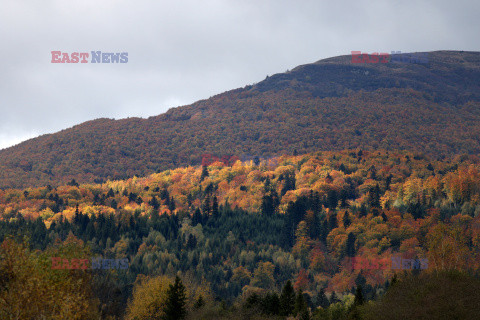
332 104
209 225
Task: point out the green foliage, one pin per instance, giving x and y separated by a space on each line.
287 300
175 304
443 295
212 233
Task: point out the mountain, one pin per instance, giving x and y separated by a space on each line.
333 104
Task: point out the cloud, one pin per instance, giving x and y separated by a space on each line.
183 51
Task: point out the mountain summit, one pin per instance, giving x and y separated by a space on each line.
431 108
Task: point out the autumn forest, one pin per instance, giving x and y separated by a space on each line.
248 241
330 191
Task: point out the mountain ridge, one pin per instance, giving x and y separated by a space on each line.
331 104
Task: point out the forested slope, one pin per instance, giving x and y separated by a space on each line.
332 104
244 231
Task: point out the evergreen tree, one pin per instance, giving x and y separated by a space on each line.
332 199
350 250
287 299
110 193
176 298
204 173
384 216
322 300
197 217
154 203
374 197
73 183
76 219
270 304
343 198
300 304
305 315
388 181
346 220
394 280
360 280
164 195
325 231
199 303
332 221
215 206
191 242
363 210
171 204
334 298
132 197
359 300
206 205
290 182
267 186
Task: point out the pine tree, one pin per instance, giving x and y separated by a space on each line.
334 298
110 193
332 199
204 173
197 217
199 303
290 182
76 219
359 300
332 221
215 206
394 279
374 197
164 195
154 203
267 186
206 205
346 220
322 300
175 305
300 304
350 250
270 304
305 315
171 205
363 210
287 299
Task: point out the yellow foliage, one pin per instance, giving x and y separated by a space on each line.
46 213
36 291
148 299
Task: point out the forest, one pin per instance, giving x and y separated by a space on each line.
329 105
254 240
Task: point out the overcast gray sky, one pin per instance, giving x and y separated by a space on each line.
182 51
